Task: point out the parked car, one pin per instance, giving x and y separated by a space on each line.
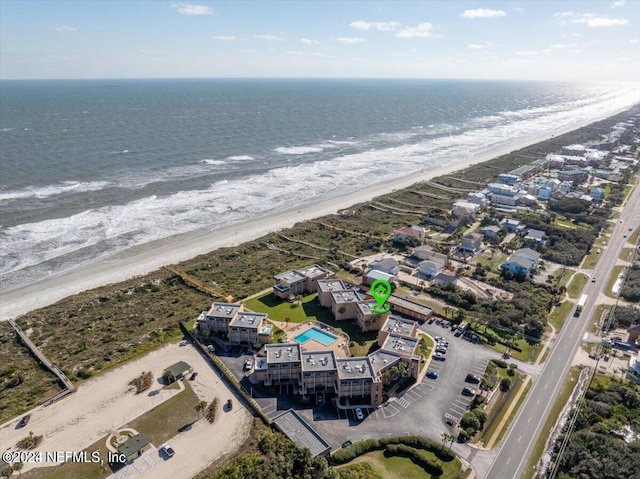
439 357
468 392
444 343
359 414
24 421
167 449
432 374
229 405
439 338
193 376
441 350
472 378
248 365
211 348
319 398
346 443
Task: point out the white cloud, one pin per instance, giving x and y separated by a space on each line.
562 46
634 41
422 30
189 9
483 13
381 26
64 29
479 46
517 9
350 40
225 38
308 41
271 38
605 22
563 14
619 3
526 53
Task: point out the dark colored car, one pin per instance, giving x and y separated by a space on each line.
346 443
193 376
468 392
472 378
229 404
24 421
441 350
432 374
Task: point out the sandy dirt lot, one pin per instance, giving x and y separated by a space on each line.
106 403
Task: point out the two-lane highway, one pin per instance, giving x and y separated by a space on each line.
527 427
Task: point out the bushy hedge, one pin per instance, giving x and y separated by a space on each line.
347 454
416 457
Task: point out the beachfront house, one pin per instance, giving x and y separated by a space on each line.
300 281
283 364
410 236
250 328
217 319
326 287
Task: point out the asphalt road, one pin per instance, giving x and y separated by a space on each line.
527 427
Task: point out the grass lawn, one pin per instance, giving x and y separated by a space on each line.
558 405
626 254
592 258
491 431
560 314
163 421
566 223
526 347
74 470
279 309
403 468
564 276
577 283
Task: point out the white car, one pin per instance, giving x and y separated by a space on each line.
167 449
359 414
211 348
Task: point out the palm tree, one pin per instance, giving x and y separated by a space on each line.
18 467
200 407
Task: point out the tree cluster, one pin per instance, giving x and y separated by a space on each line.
622 317
631 288
142 382
599 447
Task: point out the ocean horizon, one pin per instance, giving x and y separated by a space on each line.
96 168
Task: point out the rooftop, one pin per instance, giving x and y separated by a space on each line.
178 368
398 325
365 307
318 361
223 310
290 277
313 271
346 296
400 344
133 445
301 433
248 320
325 285
354 368
381 359
410 305
282 352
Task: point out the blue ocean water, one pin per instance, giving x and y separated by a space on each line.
91 168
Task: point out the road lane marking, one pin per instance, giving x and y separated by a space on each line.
508 461
519 438
529 420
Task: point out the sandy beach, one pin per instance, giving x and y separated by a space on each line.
48 291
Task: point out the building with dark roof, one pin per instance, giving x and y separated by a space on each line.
176 371
292 425
134 446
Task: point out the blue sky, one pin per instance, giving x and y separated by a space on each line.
548 40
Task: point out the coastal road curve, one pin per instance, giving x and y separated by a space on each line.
519 442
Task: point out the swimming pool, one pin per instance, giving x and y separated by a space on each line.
316 334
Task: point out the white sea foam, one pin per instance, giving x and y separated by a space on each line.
51 190
213 162
240 158
298 150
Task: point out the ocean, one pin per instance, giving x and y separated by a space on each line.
94 168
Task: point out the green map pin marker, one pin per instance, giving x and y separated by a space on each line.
380 290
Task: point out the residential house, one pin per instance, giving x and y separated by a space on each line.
313 273
430 268
502 189
536 235
386 265
478 198
508 179
523 172
326 287
566 186
441 219
490 232
502 200
374 274
526 200
410 236
513 226
555 161
597 194
344 304
427 253
445 278
471 242
464 209
522 262
572 175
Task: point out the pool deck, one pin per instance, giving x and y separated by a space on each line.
340 346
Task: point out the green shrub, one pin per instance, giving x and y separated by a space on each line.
500 363
416 457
